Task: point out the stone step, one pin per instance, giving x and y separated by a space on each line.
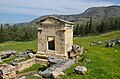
41 56
39 59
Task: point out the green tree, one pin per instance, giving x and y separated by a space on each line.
2 33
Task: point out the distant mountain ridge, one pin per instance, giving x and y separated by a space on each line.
94 12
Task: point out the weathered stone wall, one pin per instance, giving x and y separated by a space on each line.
9 71
51 29
25 64
62 32
41 61
68 39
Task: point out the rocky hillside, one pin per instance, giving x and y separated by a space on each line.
96 13
101 12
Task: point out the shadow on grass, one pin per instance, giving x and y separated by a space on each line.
42 68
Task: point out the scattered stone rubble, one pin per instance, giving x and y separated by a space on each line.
58 67
112 43
75 51
54 60
31 55
30 51
9 70
7 54
96 43
77 48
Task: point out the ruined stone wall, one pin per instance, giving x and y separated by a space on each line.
49 30
68 39
41 61
9 71
25 64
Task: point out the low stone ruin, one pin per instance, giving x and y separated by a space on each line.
7 54
56 65
112 43
7 71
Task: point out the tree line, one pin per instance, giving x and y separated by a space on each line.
92 27
17 33
26 33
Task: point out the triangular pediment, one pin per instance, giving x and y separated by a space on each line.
53 20
49 21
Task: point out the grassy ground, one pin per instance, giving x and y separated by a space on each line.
8 60
34 67
104 64
19 46
26 58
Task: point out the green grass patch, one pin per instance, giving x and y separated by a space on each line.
8 60
34 67
1 62
19 46
26 58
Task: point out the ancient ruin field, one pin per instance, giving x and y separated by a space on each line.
102 62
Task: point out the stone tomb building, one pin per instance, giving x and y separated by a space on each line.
55 37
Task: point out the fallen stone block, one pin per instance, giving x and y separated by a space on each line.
54 60
61 66
31 55
80 70
56 73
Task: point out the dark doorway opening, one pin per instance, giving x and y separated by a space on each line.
51 43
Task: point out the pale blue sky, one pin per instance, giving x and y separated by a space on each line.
16 11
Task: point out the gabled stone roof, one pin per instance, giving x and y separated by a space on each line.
61 20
